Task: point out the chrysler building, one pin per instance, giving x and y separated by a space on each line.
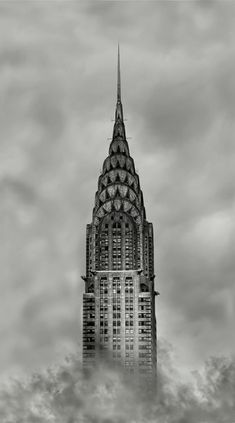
119 299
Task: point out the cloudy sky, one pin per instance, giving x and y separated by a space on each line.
57 96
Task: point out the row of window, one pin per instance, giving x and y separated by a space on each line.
88 323
88 339
144 323
116 280
116 224
144 307
144 330
128 347
117 331
144 315
144 300
145 338
127 331
104 290
89 331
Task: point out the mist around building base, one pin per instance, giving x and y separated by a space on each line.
68 393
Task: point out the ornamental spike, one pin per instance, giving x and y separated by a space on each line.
118 78
119 111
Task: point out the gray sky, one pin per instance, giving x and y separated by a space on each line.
57 95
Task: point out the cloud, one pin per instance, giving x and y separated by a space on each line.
69 393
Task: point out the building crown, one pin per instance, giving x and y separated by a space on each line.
118 185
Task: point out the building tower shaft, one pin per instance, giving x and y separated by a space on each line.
119 299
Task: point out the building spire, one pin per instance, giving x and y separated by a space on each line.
119 111
118 78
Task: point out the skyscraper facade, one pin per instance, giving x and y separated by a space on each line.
119 299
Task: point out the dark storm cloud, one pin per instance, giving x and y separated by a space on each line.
58 65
